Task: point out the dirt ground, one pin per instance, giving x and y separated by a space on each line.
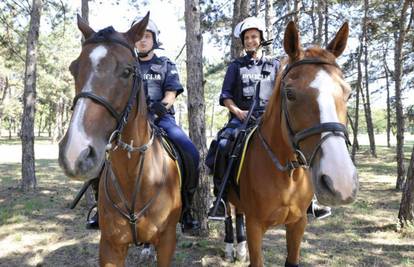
38 228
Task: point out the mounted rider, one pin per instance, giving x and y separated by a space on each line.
238 93
162 86
243 76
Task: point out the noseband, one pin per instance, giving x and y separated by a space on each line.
331 128
103 36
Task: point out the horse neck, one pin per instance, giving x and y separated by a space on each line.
137 132
271 127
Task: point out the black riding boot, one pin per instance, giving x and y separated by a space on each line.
189 186
92 222
188 223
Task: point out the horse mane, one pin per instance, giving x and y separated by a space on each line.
101 35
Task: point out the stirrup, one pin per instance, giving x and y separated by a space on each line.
216 217
88 217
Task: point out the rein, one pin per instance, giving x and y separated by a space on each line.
331 128
128 212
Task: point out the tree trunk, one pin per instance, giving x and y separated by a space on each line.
269 14
39 129
4 90
297 4
355 145
367 102
326 21
85 10
58 129
320 9
406 213
256 8
212 120
29 100
240 12
387 85
313 22
398 62
196 105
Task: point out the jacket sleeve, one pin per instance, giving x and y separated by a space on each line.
229 83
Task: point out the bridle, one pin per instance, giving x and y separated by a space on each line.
331 128
128 212
103 36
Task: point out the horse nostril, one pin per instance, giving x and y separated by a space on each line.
87 159
327 183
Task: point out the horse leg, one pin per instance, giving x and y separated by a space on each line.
166 246
294 234
111 255
254 241
241 250
229 235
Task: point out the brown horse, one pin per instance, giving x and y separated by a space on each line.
298 148
139 198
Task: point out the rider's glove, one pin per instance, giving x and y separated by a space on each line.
159 109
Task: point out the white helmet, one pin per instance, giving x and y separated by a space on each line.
152 27
249 23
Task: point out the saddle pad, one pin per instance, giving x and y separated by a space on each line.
245 145
171 151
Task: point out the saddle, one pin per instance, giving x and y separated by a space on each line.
185 165
242 148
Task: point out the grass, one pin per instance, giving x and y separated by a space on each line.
37 228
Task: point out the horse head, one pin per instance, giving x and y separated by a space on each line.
107 83
314 98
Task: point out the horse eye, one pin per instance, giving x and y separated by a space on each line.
126 73
290 95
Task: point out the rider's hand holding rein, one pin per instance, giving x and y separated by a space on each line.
235 110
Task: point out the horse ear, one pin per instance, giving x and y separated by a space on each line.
84 27
137 31
338 44
291 42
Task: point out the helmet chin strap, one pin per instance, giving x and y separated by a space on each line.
263 43
145 54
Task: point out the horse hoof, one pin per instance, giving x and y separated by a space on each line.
241 251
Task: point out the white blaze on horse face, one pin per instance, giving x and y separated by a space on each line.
78 140
97 54
335 161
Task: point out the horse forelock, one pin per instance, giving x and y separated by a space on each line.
317 52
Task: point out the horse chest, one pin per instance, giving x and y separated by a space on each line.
119 229
285 215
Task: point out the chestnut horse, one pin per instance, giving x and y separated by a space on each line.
298 148
139 186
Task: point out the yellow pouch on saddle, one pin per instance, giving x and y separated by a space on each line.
245 145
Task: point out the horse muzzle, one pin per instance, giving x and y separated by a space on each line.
335 189
81 161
